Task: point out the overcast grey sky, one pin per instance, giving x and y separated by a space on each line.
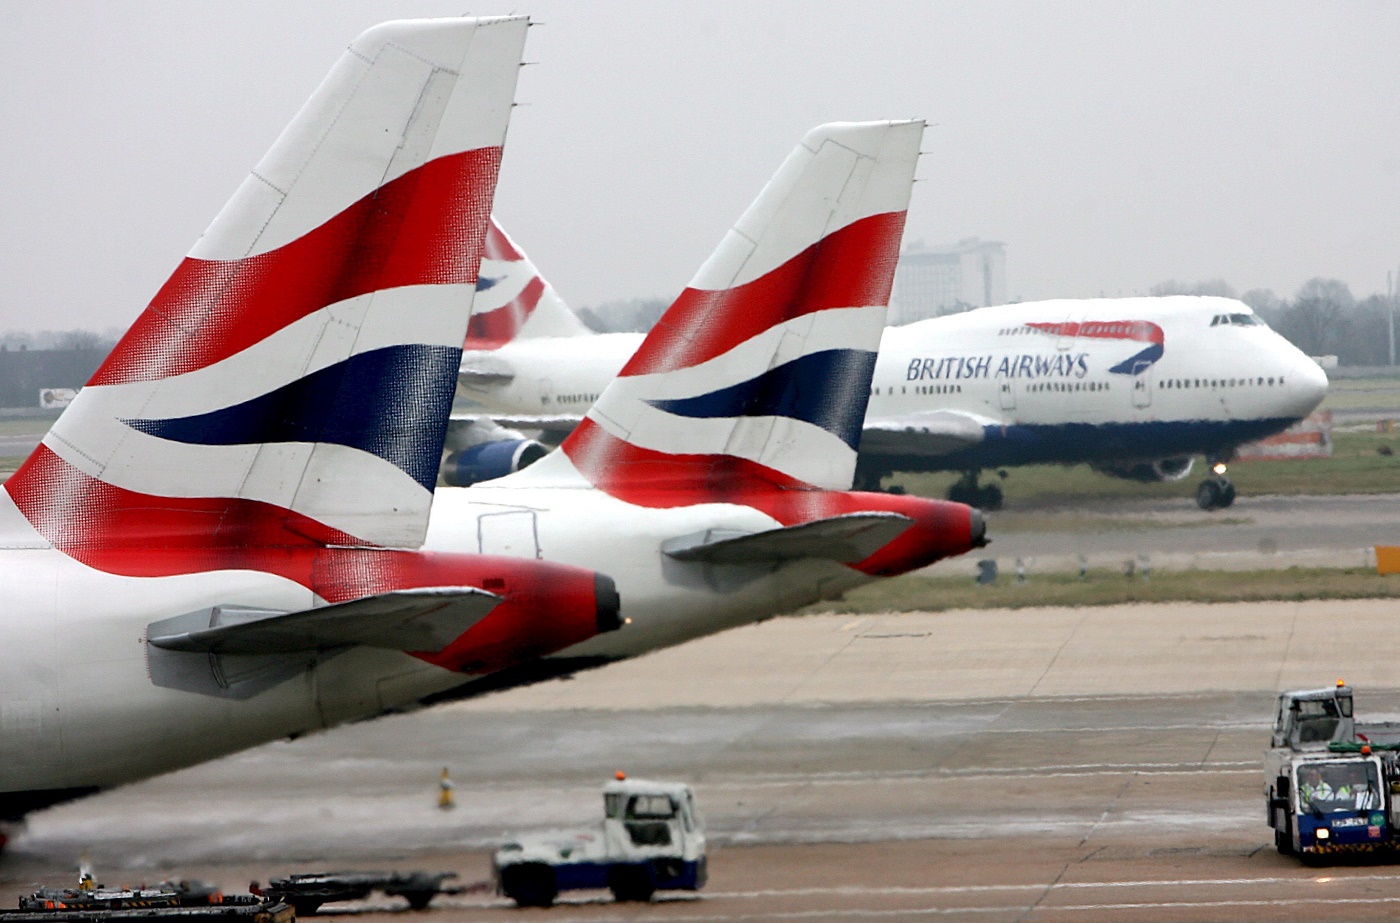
1110 145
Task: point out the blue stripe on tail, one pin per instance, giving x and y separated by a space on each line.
828 389
391 402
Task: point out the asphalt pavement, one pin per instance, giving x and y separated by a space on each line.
1099 764
1258 532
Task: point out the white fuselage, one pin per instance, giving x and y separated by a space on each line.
525 515
79 709
1215 384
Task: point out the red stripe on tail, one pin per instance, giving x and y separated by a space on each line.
424 228
494 329
850 268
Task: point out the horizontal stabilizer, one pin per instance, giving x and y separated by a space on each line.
845 539
422 619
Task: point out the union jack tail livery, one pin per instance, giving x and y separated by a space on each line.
761 368
513 301
295 374
230 515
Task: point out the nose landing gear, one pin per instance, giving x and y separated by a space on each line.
1216 493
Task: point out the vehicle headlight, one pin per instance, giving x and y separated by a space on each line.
1322 833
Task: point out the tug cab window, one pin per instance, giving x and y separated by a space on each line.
648 820
1331 788
1315 721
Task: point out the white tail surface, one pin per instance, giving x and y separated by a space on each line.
297 371
765 360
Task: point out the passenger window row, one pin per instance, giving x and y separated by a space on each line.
1068 386
1222 382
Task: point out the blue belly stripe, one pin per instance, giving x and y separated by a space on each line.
392 403
828 389
1072 443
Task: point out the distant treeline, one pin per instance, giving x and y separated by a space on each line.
24 340
1322 319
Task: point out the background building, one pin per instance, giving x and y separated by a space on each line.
941 280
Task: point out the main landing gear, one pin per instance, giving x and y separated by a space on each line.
1216 493
987 497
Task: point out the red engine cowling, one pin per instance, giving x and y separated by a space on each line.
941 529
544 607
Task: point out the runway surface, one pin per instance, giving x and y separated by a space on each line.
1096 764
1267 525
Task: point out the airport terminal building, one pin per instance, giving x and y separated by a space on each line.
944 280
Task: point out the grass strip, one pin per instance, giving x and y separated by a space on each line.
1357 466
1111 588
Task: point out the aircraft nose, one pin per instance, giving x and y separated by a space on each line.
1307 386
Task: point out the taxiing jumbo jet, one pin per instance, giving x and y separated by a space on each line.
219 542
1135 387
712 476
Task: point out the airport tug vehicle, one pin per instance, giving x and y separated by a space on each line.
1331 783
650 840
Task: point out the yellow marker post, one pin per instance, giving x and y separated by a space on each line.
1388 559
447 798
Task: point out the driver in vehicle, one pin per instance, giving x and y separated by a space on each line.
1313 787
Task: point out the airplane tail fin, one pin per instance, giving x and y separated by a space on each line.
295 374
762 366
513 301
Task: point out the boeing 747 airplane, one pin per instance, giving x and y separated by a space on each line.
1135 387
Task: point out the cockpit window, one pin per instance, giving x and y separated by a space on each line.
1240 320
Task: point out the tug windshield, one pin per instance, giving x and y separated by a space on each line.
1316 720
1330 788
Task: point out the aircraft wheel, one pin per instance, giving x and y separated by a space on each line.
1227 494
1208 496
530 884
990 497
419 900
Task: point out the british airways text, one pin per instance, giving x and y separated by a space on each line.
1062 365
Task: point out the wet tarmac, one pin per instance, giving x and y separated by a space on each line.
1042 764
1257 533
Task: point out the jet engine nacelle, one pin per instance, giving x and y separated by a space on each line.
1167 469
487 461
